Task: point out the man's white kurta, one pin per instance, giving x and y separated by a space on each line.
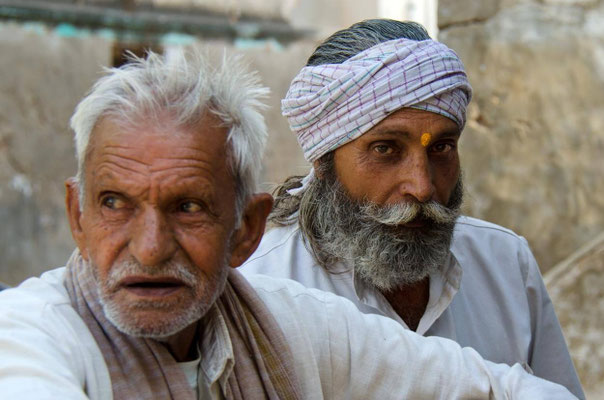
489 295
46 351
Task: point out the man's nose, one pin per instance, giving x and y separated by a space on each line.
416 177
152 241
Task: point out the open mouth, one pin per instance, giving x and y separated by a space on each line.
152 286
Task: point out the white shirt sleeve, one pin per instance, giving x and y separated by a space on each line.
364 356
46 351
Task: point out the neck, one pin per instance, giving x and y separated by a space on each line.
410 301
181 344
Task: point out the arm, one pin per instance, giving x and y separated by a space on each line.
549 356
39 354
377 358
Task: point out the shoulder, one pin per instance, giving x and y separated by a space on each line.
474 232
486 246
315 313
282 252
45 342
278 240
36 295
276 289
303 304
469 226
40 307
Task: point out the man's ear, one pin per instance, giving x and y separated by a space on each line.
318 173
74 214
247 237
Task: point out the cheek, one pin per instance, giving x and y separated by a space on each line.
104 243
206 250
446 179
359 178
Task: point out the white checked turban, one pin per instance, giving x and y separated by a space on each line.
330 105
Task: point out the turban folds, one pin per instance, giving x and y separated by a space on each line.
330 105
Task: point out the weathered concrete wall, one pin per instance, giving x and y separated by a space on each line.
576 287
533 148
273 9
44 75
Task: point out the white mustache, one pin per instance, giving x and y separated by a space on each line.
403 213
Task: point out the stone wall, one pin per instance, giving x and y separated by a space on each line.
43 77
576 287
533 148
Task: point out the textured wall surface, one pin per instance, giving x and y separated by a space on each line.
576 287
533 148
42 78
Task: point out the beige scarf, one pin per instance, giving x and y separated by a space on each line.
144 369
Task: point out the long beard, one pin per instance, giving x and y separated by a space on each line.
384 253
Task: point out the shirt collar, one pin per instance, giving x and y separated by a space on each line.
217 359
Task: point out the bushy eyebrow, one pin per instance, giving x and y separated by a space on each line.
398 133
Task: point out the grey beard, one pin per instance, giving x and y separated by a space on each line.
383 253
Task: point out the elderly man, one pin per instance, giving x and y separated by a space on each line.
378 111
147 307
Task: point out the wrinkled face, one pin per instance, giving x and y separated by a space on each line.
157 221
411 155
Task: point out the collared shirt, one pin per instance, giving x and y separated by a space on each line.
489 295
47 352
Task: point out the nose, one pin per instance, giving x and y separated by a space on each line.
152 240
416 178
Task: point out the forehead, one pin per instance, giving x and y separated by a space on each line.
158 141
410 120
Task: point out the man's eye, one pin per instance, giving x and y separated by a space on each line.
189 207
113 202
442 147
383 149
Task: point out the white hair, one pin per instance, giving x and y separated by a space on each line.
181 87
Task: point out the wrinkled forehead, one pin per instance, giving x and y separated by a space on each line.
158 145
149 129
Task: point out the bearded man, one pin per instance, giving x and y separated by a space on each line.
378 111
148 307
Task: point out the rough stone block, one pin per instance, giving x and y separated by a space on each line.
452 12
576 287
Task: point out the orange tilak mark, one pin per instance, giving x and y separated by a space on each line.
425 139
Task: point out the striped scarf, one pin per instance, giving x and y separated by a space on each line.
144 369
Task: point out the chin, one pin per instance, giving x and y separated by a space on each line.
153 318
155 324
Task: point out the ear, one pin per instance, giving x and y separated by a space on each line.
247 237
72 205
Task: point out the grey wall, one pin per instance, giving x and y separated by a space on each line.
533 149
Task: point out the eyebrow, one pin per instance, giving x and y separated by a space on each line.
451 133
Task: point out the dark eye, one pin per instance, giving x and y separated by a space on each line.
442 147
113 202
189 207
383 149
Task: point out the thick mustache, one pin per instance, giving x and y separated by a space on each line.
403 213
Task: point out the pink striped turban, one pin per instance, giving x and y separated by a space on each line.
330 105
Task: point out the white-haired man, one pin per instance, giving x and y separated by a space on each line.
148 308
378 111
